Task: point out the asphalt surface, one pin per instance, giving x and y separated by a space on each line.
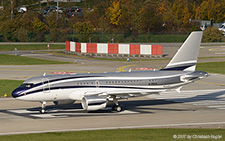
22 72
199 105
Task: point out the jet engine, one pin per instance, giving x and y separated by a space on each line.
63 102
92 103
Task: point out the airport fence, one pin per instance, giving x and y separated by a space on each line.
114 49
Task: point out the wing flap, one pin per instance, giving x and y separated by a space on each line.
120 93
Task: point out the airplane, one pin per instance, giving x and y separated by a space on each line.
97 90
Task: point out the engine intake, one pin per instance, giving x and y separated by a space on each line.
92 103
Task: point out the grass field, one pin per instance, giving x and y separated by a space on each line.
30 47
7 86
20 60
124 135
212 67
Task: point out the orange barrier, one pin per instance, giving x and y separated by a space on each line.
136 49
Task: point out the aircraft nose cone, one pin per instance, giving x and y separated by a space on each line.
15 93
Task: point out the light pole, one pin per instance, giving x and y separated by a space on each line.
39 2
11 9
57 9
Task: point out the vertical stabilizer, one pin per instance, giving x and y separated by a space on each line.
186 57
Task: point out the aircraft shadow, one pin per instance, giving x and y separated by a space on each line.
211 96
134 106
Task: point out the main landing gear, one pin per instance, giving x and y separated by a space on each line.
43 110
116 107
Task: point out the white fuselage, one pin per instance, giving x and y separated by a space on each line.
75 87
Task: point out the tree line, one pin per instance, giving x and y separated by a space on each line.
122 19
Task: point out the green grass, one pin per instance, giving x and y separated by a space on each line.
30 47
122 135
7 86
211 57
20 60
212 67
60 53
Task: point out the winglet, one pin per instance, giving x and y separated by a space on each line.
186 57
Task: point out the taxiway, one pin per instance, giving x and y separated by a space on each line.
199 105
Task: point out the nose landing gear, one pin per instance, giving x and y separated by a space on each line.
43 110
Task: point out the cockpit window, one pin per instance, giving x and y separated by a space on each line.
27 85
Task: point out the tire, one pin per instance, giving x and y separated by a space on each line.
117 108
42 111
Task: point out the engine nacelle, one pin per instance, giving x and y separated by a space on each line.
63 102
92 103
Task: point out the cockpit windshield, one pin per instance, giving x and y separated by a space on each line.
27 85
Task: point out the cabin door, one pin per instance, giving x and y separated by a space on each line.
46 86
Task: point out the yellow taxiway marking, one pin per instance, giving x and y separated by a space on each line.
211 83
123 67
217 49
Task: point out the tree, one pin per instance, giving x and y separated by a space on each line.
9 27
149 18
27 20
127 19
177 11
219 11
98 17
52 20
121 16
187 16
22 34
165 12
211 34
38 25
84 30
114 12
206 11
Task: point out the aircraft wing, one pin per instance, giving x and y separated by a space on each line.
118 93
122 93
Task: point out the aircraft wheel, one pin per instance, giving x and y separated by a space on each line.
42 111
117 108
